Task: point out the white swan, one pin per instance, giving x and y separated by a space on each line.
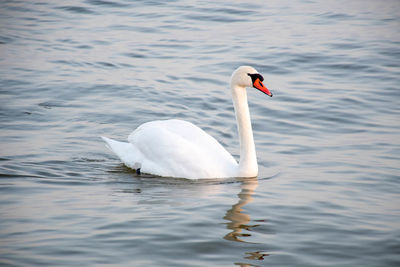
176 148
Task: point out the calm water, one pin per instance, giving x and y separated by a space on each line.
328 142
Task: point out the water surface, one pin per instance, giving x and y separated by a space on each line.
328 142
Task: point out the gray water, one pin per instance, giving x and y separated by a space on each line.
328 142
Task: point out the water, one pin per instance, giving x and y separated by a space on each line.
328 142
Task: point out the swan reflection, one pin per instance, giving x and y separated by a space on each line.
238 220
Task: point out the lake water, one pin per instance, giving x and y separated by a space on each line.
328 142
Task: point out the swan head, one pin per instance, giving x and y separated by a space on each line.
246 76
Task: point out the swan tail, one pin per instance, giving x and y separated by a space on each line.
126 152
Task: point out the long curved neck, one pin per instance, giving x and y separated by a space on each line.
248 160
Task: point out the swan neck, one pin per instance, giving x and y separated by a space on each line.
248 159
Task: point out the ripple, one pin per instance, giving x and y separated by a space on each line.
201 17
6 40
135 55
112 4
77 9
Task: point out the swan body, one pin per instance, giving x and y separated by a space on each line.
176 148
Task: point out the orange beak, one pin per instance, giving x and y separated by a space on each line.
260 86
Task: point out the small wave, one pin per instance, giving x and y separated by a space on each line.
106 3
77 9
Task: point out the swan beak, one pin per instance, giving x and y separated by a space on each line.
260 86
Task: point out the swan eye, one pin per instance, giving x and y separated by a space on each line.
256 76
